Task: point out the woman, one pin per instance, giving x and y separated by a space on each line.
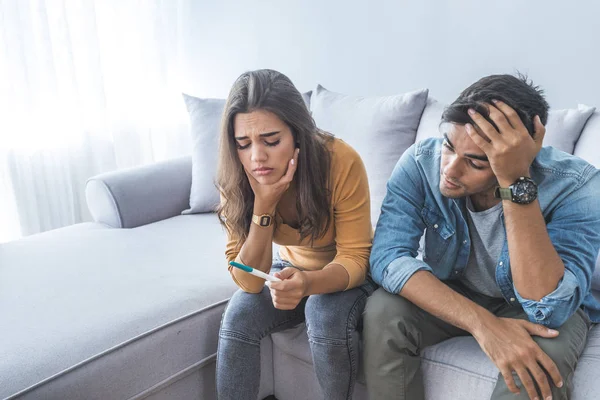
284 181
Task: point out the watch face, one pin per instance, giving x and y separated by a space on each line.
265 220
524 191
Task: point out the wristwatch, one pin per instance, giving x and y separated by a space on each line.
523 191
263 220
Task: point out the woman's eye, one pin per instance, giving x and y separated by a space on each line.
271 144
240 147
447 146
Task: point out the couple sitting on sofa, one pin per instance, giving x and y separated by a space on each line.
486 190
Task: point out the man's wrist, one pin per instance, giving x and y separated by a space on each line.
505 182
480 322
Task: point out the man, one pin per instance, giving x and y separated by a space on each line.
512 237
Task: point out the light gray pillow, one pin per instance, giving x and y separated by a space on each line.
380 129
589 142
429 126
563 127
205 123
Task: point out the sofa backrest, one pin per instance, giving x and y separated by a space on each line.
588 145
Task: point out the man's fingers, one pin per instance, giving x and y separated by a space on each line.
483 124
477 138
500 119
527 382
511 115
510 381
540 378
539 330
550 367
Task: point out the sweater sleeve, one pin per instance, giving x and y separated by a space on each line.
351 215
249 283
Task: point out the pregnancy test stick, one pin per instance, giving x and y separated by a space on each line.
254 272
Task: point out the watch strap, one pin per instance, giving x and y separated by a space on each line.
503 193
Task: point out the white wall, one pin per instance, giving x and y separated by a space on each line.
384 47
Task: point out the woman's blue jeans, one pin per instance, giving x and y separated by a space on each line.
331 319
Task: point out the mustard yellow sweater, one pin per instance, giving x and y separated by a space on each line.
347 240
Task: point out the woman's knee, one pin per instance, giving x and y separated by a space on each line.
244 310
334 315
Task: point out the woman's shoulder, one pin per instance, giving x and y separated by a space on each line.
346 167
343 155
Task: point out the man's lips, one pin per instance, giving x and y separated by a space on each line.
450 184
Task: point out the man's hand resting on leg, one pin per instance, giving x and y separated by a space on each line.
508 343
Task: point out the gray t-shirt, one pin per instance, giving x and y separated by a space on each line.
487 238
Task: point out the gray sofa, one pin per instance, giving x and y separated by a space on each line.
129 306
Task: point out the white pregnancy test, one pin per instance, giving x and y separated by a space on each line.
254 272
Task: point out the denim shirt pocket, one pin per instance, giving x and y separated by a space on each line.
437 235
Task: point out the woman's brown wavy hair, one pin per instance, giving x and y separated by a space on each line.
274 92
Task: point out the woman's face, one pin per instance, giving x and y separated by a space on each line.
265 145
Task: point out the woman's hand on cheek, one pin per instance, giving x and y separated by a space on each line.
268 195
288 293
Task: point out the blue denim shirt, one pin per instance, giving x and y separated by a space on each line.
568 193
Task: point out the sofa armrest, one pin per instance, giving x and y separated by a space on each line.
142 195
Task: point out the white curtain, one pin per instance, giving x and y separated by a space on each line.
86 86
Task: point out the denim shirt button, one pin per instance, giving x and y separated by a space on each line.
455 272
435 226
501 263
464 242
512 299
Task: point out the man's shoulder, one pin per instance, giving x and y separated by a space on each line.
553 163
428 147
420 163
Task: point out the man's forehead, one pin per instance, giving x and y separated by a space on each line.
459 133
459 139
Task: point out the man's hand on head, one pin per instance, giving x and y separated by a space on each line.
510 148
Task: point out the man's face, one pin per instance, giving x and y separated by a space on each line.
464 170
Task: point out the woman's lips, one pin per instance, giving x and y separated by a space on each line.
263 171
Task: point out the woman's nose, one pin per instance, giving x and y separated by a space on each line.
258 154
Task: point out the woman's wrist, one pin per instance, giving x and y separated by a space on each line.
261 208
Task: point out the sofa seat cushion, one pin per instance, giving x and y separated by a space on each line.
109 313
454 369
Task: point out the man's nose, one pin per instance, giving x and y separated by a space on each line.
452 169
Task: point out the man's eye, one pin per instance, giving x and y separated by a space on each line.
474 165
240 147
447 146
271 144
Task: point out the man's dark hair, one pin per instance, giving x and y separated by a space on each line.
516 91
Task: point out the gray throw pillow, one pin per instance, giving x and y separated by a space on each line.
563 127
380 129
205 123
